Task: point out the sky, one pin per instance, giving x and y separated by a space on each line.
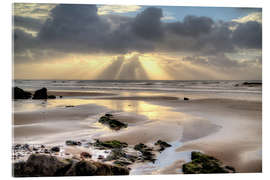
112 42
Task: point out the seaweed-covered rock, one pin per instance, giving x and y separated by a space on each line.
163 145
122 162
147 154
40 94
112 123
38 165
87 168
19 93
43 165
73 143
110 144
203 164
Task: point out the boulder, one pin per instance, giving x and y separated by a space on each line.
55 149
114 144
19 93
73 143
43 165
85 155
87 168
40 94
186 99
38 165
146 151
203 164
112 123
51 97
163 145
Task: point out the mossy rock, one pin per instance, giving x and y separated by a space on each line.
203 164
122 162
114 144
146 151
112 123
162 144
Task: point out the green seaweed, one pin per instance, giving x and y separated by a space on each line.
203 164
112 123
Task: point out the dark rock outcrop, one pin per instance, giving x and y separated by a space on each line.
40 94
19 93
44 165
204 164
38 165
163 145
51 97
55 149
73 143
146 151
114 144
112 123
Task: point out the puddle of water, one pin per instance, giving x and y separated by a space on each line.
165 159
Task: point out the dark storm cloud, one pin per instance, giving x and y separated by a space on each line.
191 26
248 35
147 24
28 23
79 29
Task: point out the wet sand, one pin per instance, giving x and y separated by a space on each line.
230 130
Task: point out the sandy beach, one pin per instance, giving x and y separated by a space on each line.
227 129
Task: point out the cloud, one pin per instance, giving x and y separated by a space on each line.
33 10
28 23
108 9
255 16
81 29
147 24
191 26
248 35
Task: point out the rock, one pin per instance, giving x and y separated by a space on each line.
69 106
163 145
252 84
43 165
38 165
60 96
230 168
51 97
85 155
19 93
110 144
100 157
42 146
55 149
122 162
73 143
116 154
203 164
186 99
113 123
87 168
40 94
108 115
146 152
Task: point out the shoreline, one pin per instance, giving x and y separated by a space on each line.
198 124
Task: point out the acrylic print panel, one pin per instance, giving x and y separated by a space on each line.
135 90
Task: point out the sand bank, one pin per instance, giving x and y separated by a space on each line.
227 129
